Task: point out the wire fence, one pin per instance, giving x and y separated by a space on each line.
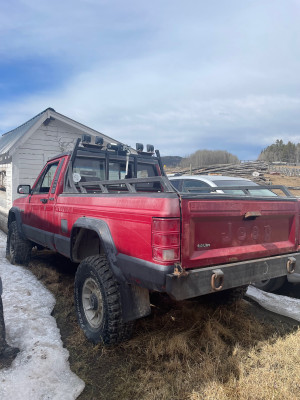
285 170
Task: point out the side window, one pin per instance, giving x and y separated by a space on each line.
175 183
146 170
114 171
191 185
117 170
44 183
88 170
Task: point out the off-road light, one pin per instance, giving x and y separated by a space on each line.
113 146
139 147
150 148
99 140
86 138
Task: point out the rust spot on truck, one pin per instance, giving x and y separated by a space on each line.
179 271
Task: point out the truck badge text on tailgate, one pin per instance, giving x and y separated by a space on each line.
242 233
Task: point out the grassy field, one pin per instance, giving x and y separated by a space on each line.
189 350
286 181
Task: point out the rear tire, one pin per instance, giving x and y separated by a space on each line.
270 285
98 302
18 250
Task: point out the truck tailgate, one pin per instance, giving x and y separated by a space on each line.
218 231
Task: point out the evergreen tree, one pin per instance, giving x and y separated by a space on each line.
280 152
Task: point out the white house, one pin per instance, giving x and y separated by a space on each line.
25 150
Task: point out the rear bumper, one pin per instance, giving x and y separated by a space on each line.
197 282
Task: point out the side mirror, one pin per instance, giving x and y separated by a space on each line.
24 189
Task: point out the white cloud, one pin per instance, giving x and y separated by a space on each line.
212 75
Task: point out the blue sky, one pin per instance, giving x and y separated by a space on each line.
182 75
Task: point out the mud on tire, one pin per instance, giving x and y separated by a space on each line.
98 302
18 250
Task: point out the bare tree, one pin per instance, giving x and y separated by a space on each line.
209 157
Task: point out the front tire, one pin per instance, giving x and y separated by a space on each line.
18 250
98 302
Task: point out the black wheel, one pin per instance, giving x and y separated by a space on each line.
17 249
98 302
270 285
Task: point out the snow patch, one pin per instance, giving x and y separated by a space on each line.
287 306
41 370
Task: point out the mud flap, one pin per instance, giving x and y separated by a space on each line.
135 302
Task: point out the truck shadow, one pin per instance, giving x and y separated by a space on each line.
290 289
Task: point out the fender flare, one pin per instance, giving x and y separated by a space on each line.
135 301
102 229
16 212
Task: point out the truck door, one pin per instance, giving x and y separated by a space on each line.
40 207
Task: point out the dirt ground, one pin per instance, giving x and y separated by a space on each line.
185 350
286 181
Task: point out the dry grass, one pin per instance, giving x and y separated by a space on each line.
286 181
186 350
270 371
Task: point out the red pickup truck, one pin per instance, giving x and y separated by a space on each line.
115 213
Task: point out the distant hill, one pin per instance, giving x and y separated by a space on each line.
171 161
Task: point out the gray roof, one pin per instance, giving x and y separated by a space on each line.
8 139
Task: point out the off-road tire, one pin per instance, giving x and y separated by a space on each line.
229 296
270 285
96 287
18 250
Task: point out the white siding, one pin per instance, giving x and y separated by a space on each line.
9 186
45 143
15 176
29 159
6 197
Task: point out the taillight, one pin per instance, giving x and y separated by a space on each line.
166 239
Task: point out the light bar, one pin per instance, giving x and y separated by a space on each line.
150 148
86 138
99 141
139 147
113 146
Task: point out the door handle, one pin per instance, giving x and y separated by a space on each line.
44 201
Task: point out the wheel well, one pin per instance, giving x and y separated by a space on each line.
85 243
11 218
